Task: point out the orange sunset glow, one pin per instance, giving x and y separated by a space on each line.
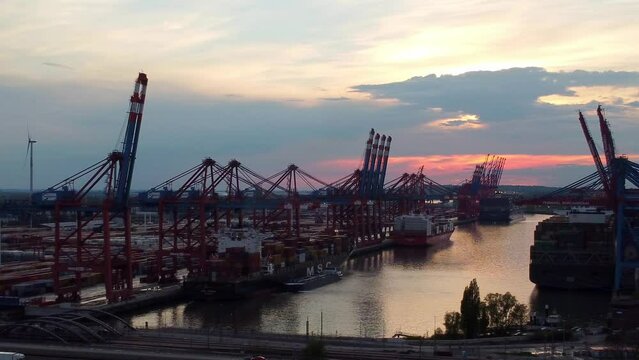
455 168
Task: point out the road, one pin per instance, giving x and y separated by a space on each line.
196 344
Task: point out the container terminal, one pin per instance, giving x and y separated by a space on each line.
223 231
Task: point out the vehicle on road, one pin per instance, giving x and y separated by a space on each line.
11 356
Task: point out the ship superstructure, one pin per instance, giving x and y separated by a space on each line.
421 230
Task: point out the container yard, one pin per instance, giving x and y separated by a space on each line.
222 231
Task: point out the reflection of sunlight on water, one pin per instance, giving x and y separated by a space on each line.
407 289
161 317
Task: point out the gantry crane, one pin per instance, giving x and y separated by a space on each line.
89 246
614 178
484 184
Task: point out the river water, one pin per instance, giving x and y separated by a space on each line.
398 289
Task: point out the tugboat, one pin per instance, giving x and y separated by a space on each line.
421 230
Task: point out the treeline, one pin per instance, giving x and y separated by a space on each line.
496 314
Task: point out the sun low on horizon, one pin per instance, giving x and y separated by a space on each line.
275 83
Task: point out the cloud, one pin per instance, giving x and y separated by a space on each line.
582 95
341 98
267 135
504 95
520 110
52 64
464 121
276 50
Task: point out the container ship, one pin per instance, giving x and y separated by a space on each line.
574 251
421 230
499 210
249 263
328 275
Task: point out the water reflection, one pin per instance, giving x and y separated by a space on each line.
160 317
407 289
471 230
371 262
417 258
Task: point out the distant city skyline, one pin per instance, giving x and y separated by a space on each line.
287 82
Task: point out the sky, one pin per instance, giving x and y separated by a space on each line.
280 82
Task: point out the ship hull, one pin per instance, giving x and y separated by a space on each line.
408 239
465 220
258 285
369 247
310 284
572 277
503 217
499 211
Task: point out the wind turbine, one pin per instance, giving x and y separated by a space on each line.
30 143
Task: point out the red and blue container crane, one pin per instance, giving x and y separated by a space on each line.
484 184
88 247
614 186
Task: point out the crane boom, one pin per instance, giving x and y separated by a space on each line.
367 155
130 144
606 136
476 181
603 176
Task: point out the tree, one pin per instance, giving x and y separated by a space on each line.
504 312
452 323
314 350
484 320
470 310
519 315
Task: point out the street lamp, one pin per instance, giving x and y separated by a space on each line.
563 331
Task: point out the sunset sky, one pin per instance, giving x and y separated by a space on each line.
277 82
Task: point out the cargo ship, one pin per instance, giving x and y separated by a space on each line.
574 250
249 264
421 230
328 276
499 210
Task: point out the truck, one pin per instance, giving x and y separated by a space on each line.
11 356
